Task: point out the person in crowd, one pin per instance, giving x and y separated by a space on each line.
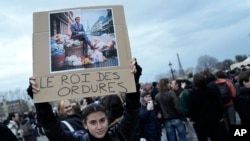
14 125
67 116
6 122
235 80
190 77
242 102
187 84
169 103
6 134
210 82
76 107
206 109
147 87
229 111
154 90
150 126
182 94
79 33
114 108
95 118
33 122
86 101
28 126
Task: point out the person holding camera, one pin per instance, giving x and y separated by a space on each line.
150 127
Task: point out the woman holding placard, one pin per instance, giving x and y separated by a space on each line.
95 119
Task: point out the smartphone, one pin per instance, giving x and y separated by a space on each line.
150 102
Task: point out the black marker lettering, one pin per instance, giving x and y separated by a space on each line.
102 87
74 90
121 85
85 77
85 89
117 75
64 91
63 79
110 84
74 79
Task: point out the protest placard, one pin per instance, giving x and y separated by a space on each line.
81 52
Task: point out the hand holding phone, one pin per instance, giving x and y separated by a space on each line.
150 105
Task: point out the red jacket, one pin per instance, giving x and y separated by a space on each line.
230 86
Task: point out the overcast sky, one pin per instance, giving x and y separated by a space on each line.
158 30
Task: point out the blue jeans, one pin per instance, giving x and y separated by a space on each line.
173 125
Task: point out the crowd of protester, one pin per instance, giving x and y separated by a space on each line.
184 109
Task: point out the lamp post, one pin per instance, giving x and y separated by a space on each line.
171 69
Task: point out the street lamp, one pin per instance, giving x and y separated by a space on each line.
171 69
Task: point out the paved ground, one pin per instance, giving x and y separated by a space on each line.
42 138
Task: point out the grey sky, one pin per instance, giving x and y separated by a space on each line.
158 30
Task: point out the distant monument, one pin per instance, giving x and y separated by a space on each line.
181 71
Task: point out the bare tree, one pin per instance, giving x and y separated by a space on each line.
227 63
240 58
206 62
224 65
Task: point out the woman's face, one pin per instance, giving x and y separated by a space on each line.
97 124
67 108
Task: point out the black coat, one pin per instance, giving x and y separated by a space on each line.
6 134
206 111
149 123
242 104
75 121
205 106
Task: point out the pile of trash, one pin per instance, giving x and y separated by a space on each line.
60 41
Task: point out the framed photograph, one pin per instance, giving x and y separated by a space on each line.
81 52
83 39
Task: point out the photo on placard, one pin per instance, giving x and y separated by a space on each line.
82 39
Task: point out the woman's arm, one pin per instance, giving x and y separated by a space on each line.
46 117
130 122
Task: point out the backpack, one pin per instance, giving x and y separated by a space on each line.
71 129
224 92
27 128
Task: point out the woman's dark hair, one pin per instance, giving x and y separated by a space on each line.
92 108
163 85
113 105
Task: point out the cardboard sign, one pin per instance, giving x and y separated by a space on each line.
81 52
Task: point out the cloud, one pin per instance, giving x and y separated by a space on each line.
15 62
158 30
